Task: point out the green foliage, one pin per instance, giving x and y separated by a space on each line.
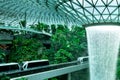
41 27
54 79
62 56
22 79
4 77
118 69
25 49
65 42
53 28
2 56
23 23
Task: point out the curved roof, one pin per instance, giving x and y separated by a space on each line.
75 12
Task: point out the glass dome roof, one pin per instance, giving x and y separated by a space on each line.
75 12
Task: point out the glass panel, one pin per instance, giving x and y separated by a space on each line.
105 16
86 4
113 17
97 16
113 3
100 9
111 9
106 11
99 3
94 1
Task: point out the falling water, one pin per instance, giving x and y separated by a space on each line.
103 44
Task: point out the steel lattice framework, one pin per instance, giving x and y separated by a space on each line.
75 12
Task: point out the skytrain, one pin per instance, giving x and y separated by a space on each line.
14 67
27 65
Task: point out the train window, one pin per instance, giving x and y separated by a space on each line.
85 59
4 68
14 67
35 63
9 67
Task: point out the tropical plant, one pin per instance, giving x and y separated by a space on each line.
118 69
2 56
25 49
4 77
62 56
22 79
71 41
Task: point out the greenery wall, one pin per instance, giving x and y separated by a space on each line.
65 45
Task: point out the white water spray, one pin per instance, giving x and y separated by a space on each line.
103 44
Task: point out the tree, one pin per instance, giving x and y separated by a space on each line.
67 42
25 49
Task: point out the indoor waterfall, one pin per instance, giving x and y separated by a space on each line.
103 44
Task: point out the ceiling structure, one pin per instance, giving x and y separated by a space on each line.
75 12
